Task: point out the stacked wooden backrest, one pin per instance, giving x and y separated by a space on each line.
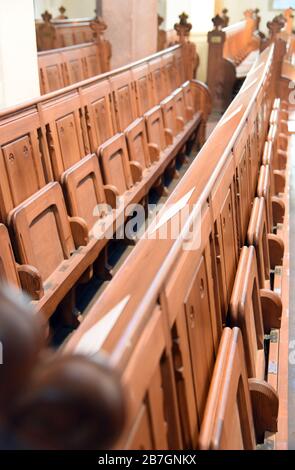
66 64
57 33
228 48
189 278
108 140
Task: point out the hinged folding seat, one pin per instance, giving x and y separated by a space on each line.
119 174
228 422
46 241
137 143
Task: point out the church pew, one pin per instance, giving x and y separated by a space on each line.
232 52
69 59
187 287
65 128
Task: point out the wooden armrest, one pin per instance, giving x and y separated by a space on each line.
154 151
80 231
278 210
189 113
31 281
180 123
272 308
265 406
111 193
282 159
136 171
280 181
276 250
169 136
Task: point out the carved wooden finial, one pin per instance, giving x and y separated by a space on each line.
160 20
225 17
258 18
62 15
183 28
249 14
46 16
217 22
276 25
98 27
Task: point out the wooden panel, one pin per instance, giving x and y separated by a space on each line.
96 100
74 66
169 115
257 236
158 80
137 143
197 306
140 436
242 179
42 230
155 127
51 72
143 87
91 61
264 190
115 164
19 155
8 271
125 99
66 133
169 72
84 189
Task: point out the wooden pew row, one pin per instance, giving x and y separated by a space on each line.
232 52
57 33
69 64
187 283
259 314
108 140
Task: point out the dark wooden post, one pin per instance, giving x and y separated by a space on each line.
191 58
225 17
98 27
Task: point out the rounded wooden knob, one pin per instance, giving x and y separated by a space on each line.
20 342
72 403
